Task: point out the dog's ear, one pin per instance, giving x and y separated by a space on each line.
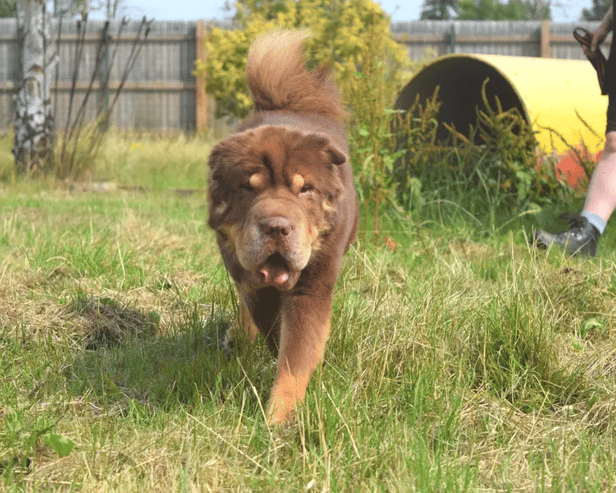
218 194
214 191
218 156
322 143
335 154
233 147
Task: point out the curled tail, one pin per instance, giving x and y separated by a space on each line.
279 80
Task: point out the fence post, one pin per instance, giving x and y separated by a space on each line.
544 47
201 106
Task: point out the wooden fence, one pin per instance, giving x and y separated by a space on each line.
162 94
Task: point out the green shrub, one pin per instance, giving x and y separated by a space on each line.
342 31
515 166
505 168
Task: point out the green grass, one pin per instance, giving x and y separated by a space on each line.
135 160
463 360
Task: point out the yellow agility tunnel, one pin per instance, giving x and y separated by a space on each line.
562 95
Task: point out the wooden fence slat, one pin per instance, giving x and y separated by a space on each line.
544 49
201 97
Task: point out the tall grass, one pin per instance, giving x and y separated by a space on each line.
460 359
131 159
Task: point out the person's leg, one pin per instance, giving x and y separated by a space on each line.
601 195
584 230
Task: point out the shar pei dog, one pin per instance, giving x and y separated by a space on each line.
283 206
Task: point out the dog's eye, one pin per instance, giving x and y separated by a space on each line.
246 186
306 189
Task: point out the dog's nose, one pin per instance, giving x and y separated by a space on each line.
275 226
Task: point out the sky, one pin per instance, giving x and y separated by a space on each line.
400 10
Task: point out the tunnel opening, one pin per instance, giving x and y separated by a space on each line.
460 81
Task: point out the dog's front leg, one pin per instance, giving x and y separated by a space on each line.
244 327
305 320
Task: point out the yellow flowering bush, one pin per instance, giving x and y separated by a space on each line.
343 38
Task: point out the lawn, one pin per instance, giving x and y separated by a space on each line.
460 358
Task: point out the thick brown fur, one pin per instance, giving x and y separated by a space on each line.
278 79
284 209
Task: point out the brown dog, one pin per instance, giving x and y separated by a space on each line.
283 205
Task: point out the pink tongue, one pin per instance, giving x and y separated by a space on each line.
274 274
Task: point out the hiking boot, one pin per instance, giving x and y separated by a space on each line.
581 237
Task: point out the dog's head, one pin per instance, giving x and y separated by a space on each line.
274 194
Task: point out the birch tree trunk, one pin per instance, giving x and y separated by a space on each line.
33 148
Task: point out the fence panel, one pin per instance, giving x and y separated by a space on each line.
161 92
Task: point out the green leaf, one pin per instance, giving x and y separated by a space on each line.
61 444
363 131
591 324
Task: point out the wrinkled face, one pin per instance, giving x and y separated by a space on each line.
273 197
